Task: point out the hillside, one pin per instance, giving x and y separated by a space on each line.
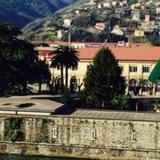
101 20
21 12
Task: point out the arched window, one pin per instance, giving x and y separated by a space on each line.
73 84
58 84
158 86
145 85
133 86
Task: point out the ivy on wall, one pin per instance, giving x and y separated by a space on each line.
42 130
14 129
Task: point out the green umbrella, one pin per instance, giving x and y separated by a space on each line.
155 74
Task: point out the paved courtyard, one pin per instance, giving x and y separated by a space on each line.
41 105
35 105
116 115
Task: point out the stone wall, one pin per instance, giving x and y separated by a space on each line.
78 137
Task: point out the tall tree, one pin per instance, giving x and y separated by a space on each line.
44 74
18 61
26 59
8 36
58 62
65 56
103 80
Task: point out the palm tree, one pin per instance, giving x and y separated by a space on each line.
71 61
57 62
65 56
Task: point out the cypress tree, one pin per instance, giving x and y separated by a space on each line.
103 81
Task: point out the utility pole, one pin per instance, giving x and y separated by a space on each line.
67 24
69 35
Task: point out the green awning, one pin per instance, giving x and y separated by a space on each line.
155 74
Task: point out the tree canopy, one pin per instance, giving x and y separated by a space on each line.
18 61
103 80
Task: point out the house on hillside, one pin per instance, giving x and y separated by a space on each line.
100 26
67 22
149 27
117 30
119 10
135 14
107 4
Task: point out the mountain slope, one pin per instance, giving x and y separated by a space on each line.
100 21
21 12
52 22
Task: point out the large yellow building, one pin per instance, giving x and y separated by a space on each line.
136 61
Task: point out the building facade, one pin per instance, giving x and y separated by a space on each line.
136 61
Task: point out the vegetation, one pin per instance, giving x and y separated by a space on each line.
103 82
65 56
43 73
13 129
21 12
156 106
42 130
85 17
121 101
19 62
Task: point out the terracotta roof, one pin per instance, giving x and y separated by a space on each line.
44 53
138 53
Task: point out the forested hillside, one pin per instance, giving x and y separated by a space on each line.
21 12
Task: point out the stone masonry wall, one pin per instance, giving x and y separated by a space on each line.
98 138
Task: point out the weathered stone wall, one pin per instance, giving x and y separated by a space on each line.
1 129
103 139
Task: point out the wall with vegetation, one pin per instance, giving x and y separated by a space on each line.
76 137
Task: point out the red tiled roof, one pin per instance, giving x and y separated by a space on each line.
138 53
44 53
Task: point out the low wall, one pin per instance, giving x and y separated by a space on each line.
80 137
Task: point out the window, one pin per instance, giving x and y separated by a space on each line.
144 85
132 69
93 134
133 82
133 137
158 87
133 86
145 69
122 68
54 132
